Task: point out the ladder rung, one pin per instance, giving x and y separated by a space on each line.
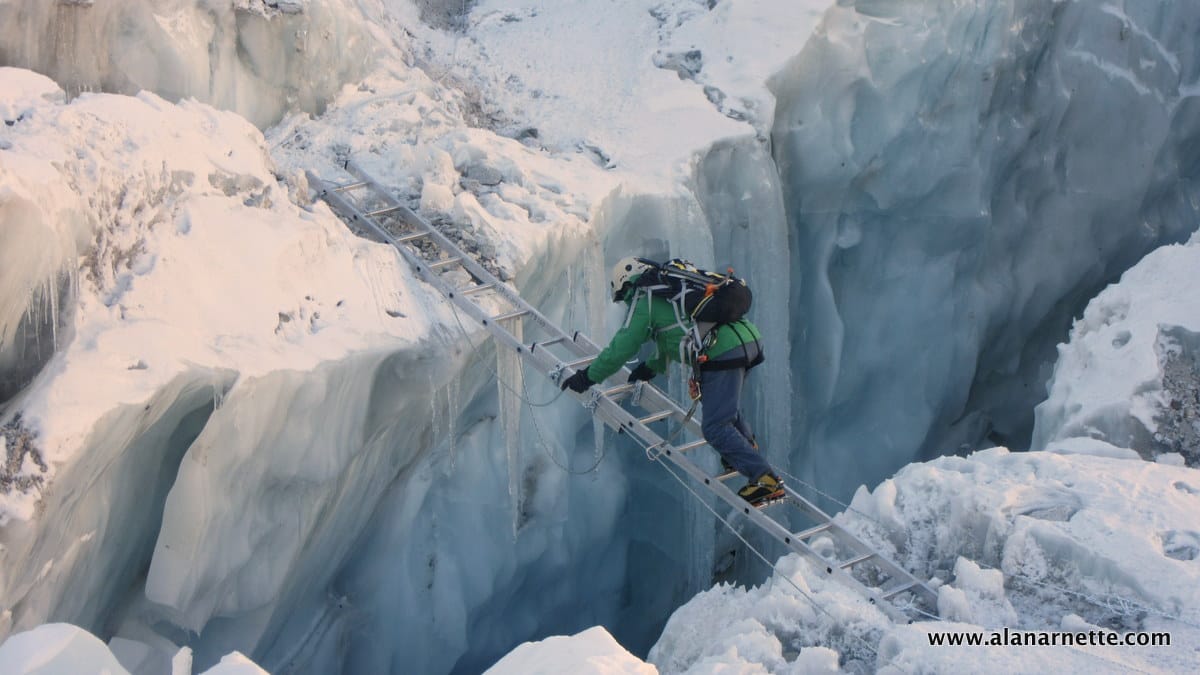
349 186
445 263
691 445
411 237
804 534
727 475
546 343
510 315
472 290
900 589
380 212
579 362
619 390
854 561
658 416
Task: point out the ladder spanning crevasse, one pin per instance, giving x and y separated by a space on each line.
464 281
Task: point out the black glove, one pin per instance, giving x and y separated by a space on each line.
643 372
579 382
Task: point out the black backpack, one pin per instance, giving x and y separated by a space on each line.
705 297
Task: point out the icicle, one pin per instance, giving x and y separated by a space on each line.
509 383
434 418
453 410
595 289
598 437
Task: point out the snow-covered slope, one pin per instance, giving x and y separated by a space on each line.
224 339
1034 541
1129 374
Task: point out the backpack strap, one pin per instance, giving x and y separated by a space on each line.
744 362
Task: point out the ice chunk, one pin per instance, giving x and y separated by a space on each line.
57 649
510 376
1129 374
235 663
592 651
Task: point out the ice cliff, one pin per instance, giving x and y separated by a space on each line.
960 178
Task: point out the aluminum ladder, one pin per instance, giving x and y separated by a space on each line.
433 256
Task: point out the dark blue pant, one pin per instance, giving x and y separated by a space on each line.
724 428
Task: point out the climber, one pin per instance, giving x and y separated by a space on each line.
721 368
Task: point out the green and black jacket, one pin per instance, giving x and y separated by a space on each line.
653 318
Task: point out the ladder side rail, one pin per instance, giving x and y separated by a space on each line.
629 424
653 400
857 546
348 210
610 411
469 263
831 569
474 310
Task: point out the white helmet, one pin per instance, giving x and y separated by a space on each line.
625 269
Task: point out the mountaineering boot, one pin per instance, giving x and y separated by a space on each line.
767 487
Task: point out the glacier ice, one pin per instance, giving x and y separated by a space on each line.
959 178
350 461
259 59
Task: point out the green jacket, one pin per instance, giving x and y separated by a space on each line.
653 318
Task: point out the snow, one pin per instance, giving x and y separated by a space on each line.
64 649
179 198
1029 541
1115 380
55 648
590 652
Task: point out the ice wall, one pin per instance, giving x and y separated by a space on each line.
259 59
97 548
960 177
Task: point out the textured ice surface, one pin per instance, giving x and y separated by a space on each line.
257 58
64 649
960 178
1031 541
1129 373
591 652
